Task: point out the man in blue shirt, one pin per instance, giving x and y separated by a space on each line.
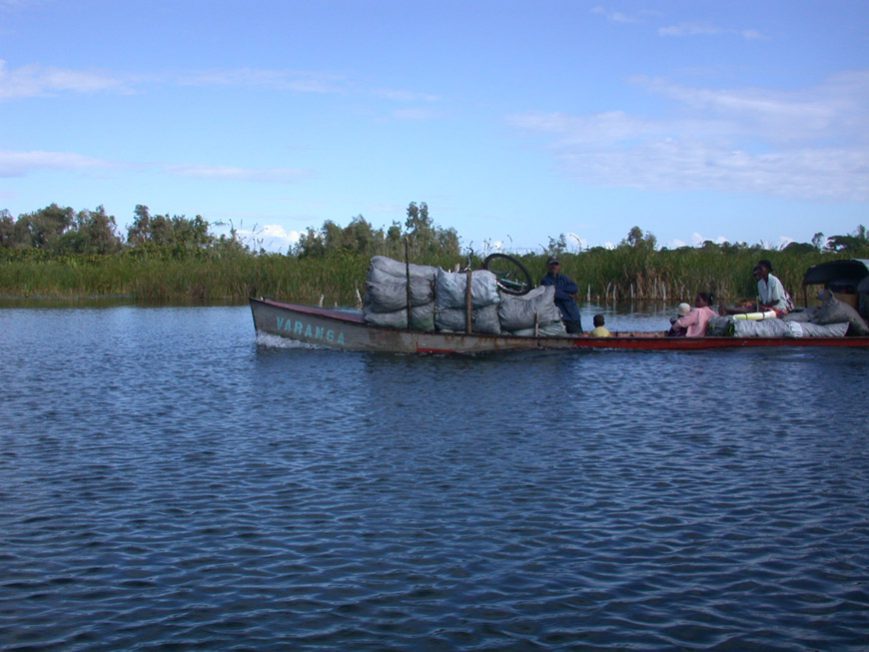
565 295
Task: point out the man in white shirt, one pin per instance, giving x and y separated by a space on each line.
773 295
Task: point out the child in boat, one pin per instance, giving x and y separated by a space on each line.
682 310
695 321
599 329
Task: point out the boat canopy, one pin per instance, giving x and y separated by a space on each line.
849 274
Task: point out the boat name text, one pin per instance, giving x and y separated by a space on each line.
300 328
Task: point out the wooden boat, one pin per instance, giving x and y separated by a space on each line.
338 329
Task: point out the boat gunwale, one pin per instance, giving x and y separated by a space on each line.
619 340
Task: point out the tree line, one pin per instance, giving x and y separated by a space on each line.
62 253
64 231
419 233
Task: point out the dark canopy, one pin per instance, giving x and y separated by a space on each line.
852 272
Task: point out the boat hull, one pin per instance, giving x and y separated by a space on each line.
337 329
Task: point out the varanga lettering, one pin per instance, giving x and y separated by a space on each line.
300 328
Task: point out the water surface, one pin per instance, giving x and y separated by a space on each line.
166 481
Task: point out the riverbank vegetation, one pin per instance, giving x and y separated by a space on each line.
61 254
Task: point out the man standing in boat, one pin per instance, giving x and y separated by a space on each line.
565 295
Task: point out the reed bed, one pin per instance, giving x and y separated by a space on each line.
673 276
603 276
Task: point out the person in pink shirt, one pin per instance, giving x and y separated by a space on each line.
695 321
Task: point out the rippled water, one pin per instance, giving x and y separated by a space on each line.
166 482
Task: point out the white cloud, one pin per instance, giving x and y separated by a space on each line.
689 29
697 239
812 143
38 81
287 80
678 30
19 164
271 237
779 115
615 16
12 5
705 29
395 95
415 114
229 173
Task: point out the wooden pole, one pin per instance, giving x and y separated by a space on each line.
469 303
407 280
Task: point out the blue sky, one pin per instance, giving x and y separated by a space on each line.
516 121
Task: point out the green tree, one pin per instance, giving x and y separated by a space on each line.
636 239
424 237
177 235
92 232
557 246
7 230
310 244
139 232
852 243
394 240
362 238
190 233
43 228
419 229
358 237
101 230
637 253
448 242
799 248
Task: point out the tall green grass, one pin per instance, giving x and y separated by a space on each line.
339 279
672 276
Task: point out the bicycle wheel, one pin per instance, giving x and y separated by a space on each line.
512 275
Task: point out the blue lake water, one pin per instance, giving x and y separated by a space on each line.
167 482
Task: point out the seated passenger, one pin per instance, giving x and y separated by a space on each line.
695 321
599 329
773 295
682 310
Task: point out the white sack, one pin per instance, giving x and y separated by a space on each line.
518 312
483 320
451 286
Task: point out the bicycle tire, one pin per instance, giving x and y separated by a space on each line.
516 280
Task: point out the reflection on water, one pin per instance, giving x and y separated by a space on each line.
165 481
